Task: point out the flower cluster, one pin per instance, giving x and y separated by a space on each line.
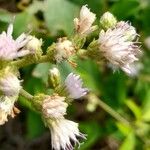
54 107
64 49
119 46
117 43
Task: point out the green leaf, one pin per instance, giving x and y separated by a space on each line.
124 8
144 19
146 116
23 23
59 15
5 16
142 129
41 71
96 6
36 6
90 74
124 128
129 142
64 68
35 125
93 131
146 99
134 108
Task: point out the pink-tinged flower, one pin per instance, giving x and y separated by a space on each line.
7 108
118 46
54 107
83 25
129 31
74 87
11 49
10 85
64 134
64 49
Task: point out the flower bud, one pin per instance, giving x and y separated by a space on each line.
34 45
92 102
63 49
54 77
83 24
54 107
9 83
108 21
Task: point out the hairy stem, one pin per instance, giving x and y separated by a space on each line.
108 109
28 61
112 112
25 94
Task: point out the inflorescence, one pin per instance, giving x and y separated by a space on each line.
117 44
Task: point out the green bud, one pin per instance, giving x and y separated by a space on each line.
92 102
51 52
54 77
78 41
108 20
34 46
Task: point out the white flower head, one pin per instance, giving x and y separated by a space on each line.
10 85
108 20
136 68
7 108
83 24
129 31
63 133
54 107
34 44
11 49
74 87
64 49
117 49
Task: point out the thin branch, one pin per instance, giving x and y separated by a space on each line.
108 109
112 112
25 62
26 94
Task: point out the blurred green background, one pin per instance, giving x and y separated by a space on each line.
51 19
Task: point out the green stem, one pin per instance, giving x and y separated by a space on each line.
109 110
25 94
25 62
